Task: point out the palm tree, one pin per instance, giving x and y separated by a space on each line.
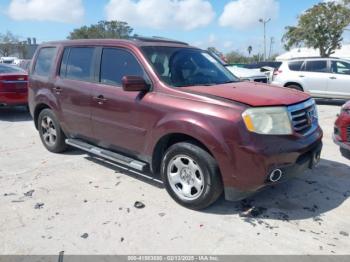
250 49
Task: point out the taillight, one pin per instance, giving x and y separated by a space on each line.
277 72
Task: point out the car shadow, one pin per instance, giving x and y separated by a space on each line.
149 178
307 196
14 114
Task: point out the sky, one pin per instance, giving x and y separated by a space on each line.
229 25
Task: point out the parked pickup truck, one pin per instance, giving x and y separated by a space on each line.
162 106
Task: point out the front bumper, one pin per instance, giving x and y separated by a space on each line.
343 145
307 160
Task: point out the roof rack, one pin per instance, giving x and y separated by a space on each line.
156 39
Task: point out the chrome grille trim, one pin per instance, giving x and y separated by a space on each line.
348 133
303 117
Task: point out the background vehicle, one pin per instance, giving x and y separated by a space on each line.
242 73
248 74
24 64
13 86
166 107
321 77
9 60
342 130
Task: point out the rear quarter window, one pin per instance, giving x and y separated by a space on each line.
44 61
295 65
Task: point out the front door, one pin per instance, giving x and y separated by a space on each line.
339 81
119 117
314 77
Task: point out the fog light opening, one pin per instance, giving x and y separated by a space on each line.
275 175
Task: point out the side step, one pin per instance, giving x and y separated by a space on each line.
127 161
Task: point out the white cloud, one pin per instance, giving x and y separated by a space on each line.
42 10
160 14
242 14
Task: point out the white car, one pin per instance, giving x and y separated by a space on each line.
244 74
320 77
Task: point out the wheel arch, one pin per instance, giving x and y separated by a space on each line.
40 107
293 83
167 141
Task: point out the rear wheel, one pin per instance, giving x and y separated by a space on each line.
345 153
191 176
50 132
296 87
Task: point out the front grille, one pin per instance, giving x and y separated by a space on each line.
304 117
348 133
261 80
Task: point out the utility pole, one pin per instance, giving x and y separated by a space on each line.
264 22
272 42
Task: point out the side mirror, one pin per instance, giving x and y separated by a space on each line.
134 84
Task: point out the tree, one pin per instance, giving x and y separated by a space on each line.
8 43
103 29
320 27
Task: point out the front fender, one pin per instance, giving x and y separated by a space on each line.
202 129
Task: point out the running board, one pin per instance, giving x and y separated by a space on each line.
124 160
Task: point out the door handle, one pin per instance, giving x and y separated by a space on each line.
57 90
333 77
100 99
301 76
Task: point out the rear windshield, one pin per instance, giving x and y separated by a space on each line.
180 67
4 69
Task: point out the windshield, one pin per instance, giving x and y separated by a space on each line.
180 67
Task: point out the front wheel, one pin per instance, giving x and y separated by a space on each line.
191 176
50 132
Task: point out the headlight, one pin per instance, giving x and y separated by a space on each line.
268 120
345 109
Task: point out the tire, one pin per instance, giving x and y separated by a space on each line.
191 176
50 132
345 153
296 87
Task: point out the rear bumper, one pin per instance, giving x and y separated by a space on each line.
13 98
255 163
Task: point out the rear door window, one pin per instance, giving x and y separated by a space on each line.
44 61
117 63
77 63
295 65
319 66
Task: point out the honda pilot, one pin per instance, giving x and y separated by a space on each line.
164 107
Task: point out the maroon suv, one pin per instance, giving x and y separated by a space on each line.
166 107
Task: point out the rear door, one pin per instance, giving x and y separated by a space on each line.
314 77
73 87
339 81
119 118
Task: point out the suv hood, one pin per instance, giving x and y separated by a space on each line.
253 94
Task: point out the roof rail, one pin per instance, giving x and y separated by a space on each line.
312 57
156 39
